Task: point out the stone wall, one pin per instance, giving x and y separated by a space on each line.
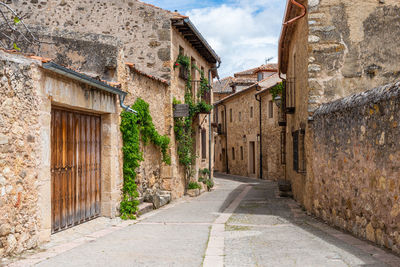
178 91
271 140
152 178
19 157
349 44
356 164
299 75
27 95
144 30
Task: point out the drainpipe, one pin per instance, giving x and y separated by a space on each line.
258 98
226 141
125 107
285 24
209 120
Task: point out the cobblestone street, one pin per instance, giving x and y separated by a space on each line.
243 222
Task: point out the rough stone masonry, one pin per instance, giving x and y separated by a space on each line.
357 164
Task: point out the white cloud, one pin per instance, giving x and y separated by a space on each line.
242 32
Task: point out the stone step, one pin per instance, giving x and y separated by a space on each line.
144 208
141 200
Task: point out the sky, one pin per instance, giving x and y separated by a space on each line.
244 33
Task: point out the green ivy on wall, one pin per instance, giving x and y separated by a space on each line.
184 126
135 128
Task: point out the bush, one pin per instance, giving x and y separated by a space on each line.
194 185
210 184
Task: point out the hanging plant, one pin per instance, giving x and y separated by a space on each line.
276 90
182 61
183 127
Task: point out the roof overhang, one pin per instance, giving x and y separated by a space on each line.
194 37
82 78
79 77
286 32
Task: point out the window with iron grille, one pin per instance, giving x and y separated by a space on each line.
290 95
295 136
203 144
299 158
283 147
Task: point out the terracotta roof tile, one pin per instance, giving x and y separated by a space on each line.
264 84
223 86
133 67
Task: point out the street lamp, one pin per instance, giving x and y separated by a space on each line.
278 101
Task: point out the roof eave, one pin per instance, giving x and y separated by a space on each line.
186 22
51 66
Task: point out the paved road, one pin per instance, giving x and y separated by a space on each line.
242 222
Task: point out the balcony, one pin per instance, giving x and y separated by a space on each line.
202 91
290 95
220 129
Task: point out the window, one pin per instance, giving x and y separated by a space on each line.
203 144
295 136
299 163
283 147
251 112
230 115
233 153
240 116
259 76
241 153
271 109
181 50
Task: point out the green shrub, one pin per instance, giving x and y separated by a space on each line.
194 185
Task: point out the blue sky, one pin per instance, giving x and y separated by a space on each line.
242 32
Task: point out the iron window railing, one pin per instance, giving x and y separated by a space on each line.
290 95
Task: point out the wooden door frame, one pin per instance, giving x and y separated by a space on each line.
93 153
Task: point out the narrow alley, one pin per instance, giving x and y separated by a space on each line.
243 222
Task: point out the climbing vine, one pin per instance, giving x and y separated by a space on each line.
276 90
184 126
135 128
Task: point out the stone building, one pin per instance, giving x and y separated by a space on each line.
239 149
222 88
49 116
335 56
134 51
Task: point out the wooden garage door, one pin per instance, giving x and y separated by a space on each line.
75 168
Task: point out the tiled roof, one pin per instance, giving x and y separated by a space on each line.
223 86
132 67
244 80
254 71
246 72
263 84
267 67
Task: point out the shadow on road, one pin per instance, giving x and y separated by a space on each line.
264 202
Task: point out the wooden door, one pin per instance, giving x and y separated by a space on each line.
75 168
252 159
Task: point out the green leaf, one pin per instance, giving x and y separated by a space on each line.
16 20
16 47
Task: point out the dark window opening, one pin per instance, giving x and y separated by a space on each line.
203 144
233 153
271 109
